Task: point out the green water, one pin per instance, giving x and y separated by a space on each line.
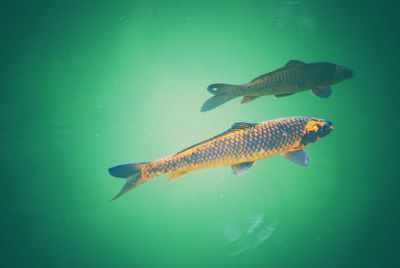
86 85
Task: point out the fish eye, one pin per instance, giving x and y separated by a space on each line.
324 130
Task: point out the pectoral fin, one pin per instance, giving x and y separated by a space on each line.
283 95
322 92
241 168
247 99
299 157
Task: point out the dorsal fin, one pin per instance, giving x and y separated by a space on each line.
295 63
241 125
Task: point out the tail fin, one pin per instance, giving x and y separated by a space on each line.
222 92
132 172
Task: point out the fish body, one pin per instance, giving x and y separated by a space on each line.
294 77
238 147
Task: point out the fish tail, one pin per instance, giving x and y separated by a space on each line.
222 92
132 172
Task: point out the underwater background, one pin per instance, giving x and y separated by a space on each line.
86 85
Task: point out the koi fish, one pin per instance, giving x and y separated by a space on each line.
295 76
239 147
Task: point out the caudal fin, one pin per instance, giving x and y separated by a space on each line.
132 172
222 92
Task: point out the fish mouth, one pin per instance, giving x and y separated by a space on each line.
350 73
330 125
346 73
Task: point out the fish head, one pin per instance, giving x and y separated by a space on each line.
342 73
315 129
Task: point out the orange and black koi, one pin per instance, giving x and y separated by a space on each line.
239 147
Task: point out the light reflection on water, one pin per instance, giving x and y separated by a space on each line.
248 233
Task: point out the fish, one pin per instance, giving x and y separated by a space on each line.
239 147
294 77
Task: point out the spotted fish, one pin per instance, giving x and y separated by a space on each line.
238 147
294 77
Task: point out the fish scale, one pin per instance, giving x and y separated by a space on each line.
234 147
285 79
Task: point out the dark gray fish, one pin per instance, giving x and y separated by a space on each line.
294 77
